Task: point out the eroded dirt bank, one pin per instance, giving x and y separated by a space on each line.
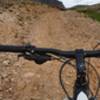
44 27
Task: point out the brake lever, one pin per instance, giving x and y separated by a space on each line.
39 59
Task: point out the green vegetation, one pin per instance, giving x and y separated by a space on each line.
92 12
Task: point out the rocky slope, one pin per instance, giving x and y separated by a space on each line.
42 26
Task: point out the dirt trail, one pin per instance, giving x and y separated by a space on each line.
44 27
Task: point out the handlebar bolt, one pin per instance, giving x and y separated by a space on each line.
32 51
27 53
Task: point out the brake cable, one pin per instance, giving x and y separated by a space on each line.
60 77
97 90
88 62
54 57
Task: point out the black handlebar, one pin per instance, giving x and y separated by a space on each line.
41 55
68 54
41 51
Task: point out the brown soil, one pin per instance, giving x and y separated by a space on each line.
44 27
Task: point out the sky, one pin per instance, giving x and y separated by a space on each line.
73 3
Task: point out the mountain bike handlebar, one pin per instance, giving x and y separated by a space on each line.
41 51
41 55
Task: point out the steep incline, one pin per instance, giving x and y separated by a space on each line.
45 27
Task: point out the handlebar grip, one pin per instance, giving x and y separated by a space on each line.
16 49
11 48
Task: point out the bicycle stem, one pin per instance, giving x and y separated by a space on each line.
81 83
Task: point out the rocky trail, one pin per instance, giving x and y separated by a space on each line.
42 26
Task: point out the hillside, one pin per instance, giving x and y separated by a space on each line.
42 26
91 11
